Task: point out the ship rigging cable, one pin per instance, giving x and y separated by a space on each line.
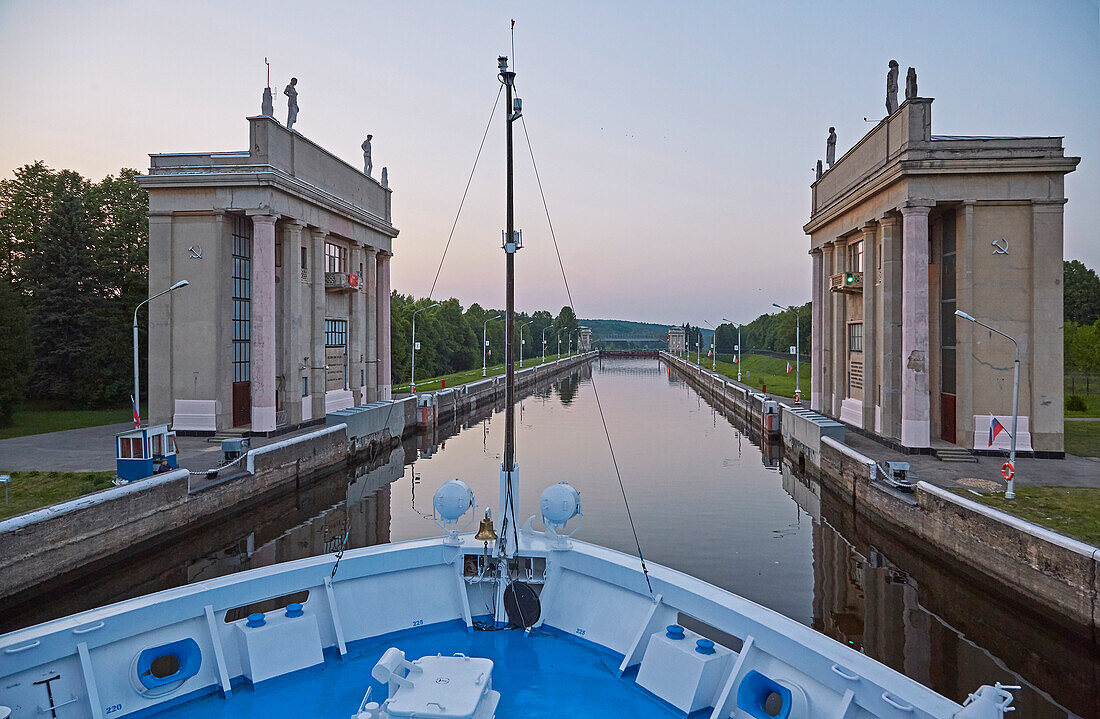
464 192
569 295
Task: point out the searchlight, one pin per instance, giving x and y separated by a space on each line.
558 504
449 504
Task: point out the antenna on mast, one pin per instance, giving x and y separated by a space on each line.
268 72
513 31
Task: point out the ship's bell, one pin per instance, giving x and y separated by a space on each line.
485 532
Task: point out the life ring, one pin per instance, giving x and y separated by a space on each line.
1008 471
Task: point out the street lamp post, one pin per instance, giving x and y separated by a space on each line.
713 346
1010 493
485 343
137 394
412 371
544 343
797 351
559 343
521 341
725 319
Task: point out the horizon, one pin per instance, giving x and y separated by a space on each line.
729 121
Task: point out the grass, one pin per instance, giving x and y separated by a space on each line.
1092 402
760 370
31 490
1073 511
460 378
39 418
1083 438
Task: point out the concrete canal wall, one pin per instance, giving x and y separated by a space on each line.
40 545
1026 562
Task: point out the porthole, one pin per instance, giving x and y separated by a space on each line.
164 666
161 670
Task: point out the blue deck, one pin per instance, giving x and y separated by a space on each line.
547 674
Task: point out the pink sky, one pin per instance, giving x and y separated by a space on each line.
675 140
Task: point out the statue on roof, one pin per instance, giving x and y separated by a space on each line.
830 147
368 165
386 177
892 88
292 103
267 105
819 171
911 84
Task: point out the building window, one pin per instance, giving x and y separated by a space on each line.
947 306
305 386
855 257
305 264
242 298
336 333
855 337
336 258
278 253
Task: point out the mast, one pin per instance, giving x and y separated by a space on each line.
511 244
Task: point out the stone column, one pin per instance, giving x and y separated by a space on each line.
870 340
263 323
290 346
892 360
915 402
816 330
826 340
357 327
317 325
370 298
1041 354
840 329
383 298
156 376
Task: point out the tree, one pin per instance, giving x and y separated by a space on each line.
26 202
1081 288
14 350
565 324
68 311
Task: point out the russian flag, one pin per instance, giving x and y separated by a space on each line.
789 368
133 406
735 359
995 428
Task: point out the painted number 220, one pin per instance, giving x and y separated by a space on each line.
112 709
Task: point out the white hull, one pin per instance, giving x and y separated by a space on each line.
590 592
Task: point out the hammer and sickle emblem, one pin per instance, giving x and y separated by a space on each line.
1001 246
196 252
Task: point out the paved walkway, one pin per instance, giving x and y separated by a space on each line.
1073 471
92 449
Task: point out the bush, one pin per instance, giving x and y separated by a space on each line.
1076 403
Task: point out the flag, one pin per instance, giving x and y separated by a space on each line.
710 353
995 428
789 368
735 359
133 406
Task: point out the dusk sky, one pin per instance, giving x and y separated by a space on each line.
675 140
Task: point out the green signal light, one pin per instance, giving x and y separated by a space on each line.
849 278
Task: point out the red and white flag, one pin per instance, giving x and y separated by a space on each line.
995 428
789 368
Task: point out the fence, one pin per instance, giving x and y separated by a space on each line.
1082 383
728 357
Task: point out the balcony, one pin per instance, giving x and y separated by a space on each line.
847 282
341 282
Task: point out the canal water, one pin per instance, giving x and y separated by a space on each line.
706 499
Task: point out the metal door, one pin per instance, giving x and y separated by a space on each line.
947 417
242 403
